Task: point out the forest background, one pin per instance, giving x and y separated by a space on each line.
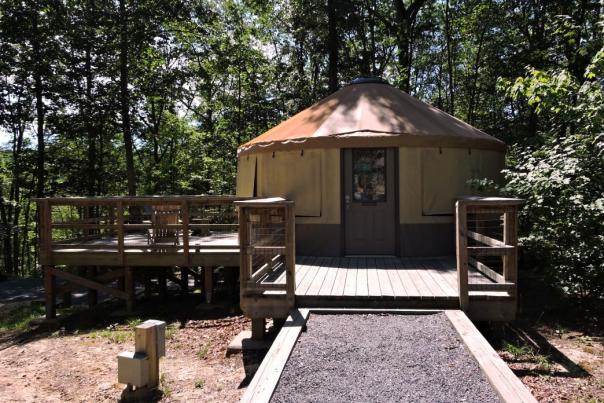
154 96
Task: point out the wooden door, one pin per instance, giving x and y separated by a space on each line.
369 201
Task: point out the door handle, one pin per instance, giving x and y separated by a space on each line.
347 201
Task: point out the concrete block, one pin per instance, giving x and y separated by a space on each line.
133 368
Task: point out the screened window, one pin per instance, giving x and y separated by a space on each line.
369 175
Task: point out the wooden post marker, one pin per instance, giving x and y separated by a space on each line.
141 367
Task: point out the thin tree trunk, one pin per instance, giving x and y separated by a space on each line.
405 20
125 99
38 90
449 58
332 46
473 89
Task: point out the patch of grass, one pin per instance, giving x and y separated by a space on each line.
165 389
171 330
588 349
543 362
585 366
516 351
203 352
20 317
199 383
114 336
134 322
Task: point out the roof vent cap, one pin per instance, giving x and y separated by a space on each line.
369 80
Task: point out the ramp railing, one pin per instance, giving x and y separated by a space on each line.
487 241
267 242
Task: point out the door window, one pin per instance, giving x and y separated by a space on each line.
369 175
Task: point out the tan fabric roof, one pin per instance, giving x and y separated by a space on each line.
371 114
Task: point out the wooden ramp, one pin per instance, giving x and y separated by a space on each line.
507 386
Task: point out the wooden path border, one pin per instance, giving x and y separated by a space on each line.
500 376
266 378
507 386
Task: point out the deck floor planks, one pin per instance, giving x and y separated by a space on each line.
438 277
379 277
398 288
317 283
362 288
309 278
351 277
406 279
427 279
449 273
302 269
384 279
330 277
422 288
340 281
373 282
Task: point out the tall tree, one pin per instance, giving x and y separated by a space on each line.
332 45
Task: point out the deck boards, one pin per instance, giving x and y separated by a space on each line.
381 277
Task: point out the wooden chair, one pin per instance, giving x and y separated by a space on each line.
161 218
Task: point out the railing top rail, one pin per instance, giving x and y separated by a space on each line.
267 202
490 201
141 200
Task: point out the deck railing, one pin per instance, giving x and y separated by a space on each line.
69 222
268 256
487 240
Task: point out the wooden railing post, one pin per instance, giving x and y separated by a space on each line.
510 238
290 247
120 232
45 228
244 259
185 231
461 244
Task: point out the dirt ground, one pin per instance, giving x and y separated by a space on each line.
559 355
555 347
570 369
78 363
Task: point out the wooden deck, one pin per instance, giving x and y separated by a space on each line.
380 282
215 249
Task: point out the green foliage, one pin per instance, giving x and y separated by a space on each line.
202 77
20 317
203 352
517 350
562 180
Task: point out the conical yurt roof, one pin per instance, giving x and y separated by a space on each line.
371 113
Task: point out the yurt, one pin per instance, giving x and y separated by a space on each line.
372 171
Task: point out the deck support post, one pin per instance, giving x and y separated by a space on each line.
510 238
184 280
66 299
278 323
161 280
93 295
147 283
49 292
461 244
129 288
208 282
258 328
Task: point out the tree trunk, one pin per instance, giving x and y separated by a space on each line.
332 46
38 90
92 154
405 20
125 99
449 58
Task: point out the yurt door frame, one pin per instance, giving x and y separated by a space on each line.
370 200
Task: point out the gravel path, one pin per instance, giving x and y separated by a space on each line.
381 358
